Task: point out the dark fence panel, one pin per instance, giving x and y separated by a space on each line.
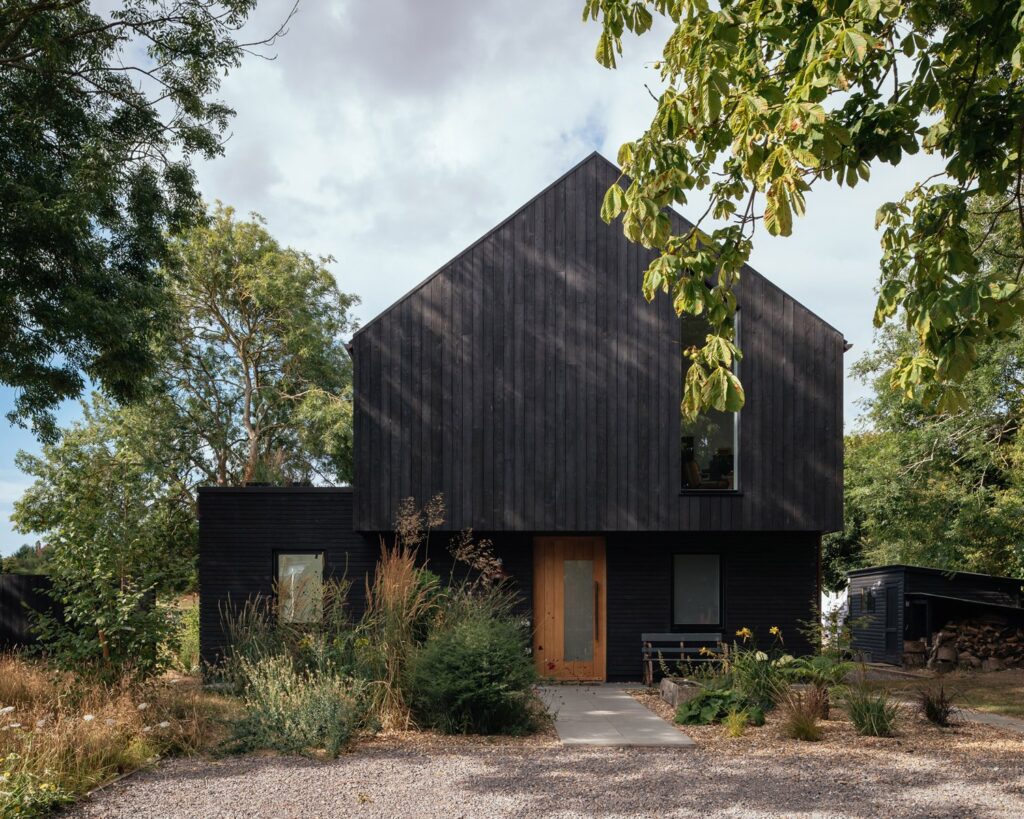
20 595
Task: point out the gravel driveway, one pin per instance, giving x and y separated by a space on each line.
980 774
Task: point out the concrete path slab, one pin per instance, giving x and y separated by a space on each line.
607 715
998 720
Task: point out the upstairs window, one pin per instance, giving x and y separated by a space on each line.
709 445
300 587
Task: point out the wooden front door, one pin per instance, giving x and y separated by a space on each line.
569 598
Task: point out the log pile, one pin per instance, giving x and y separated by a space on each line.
986 645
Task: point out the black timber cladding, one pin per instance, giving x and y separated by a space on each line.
242 529
530 382
769 578
21 596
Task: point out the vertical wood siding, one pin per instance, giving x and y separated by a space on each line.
869 626
530 382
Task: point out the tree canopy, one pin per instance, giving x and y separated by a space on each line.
120 529
763 100
254 363
253 382
936 490
100 116
942 489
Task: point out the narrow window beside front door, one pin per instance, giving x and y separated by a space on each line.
578 586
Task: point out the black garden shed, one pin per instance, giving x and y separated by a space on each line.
889 605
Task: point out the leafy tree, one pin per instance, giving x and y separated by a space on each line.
762 101
121 531
28 559
100 115
254 364
940 489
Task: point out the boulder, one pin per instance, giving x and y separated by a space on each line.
968 659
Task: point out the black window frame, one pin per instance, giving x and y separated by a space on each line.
697 627
737 488
275 554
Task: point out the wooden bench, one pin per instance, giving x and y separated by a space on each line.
674 647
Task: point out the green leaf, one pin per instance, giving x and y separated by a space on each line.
613 203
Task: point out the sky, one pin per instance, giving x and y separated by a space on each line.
391 134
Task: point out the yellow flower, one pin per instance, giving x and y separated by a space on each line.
706 652
775 631
745 633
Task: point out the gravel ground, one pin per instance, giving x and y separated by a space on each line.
971 771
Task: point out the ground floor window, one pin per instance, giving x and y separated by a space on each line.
696 590
300 587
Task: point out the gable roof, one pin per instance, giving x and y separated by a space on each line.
593 157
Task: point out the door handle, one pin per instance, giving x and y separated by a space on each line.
597 610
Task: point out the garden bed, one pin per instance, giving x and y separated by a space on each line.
914 735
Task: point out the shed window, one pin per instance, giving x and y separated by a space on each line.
697 590
709 445
300 587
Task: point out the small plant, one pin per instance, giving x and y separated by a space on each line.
873 713
735 722
297 712
758 676
937 706
755 715
801 711
710 706
824 672
24 793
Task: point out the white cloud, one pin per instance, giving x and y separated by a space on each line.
392 134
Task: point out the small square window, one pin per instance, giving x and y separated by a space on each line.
300 587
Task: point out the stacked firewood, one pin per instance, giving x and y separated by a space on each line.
983 644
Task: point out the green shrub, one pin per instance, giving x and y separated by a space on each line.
297 712
873 713
711 705
755 715
185 642
735 722
937 706
474 676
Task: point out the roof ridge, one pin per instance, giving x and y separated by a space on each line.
486 235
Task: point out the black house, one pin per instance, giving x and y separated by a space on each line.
531 384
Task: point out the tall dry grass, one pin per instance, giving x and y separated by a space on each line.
400 604
61 737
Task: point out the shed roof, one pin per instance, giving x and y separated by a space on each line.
950 573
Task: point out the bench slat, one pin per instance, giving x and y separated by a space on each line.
680 638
